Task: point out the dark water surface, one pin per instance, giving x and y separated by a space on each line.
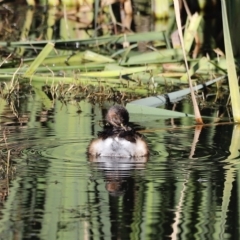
187 190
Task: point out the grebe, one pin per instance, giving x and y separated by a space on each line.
118 139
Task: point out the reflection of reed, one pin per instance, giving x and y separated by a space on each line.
13 124
197 132
4 189
230 177
180 205
178 211
7 172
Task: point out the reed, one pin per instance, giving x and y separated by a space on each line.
198 117
161 8
231 68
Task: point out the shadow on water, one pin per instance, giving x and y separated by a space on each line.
187 189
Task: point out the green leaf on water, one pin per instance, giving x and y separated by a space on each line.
145 110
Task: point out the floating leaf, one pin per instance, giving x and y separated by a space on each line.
146 110
156 101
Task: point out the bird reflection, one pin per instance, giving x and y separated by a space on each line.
117 174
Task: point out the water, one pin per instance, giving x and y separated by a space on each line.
188 189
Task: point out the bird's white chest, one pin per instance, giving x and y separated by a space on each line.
119 147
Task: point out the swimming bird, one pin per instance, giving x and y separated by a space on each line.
118 139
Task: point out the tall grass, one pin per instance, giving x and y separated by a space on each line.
232 75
